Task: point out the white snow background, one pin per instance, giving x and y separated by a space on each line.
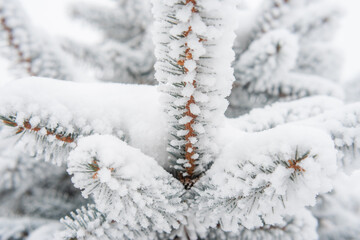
52 17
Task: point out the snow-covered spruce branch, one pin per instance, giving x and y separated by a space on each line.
264 75
32 52
51 142
260 178
134 191
62 112
343 124
269 19
126 54
88 223
193 42
303 222
339 121
277 114
129 20
286 54
289 86
117 62
141 200
315 21
321 17
81 51
267 58
316 30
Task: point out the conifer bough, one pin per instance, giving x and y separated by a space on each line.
193 41
249 177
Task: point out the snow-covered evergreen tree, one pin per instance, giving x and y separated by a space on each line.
284 55
168 164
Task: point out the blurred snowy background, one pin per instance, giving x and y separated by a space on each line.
53 18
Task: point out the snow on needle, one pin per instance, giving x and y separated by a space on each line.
293 162
95 167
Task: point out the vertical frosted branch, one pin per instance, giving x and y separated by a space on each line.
193 41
